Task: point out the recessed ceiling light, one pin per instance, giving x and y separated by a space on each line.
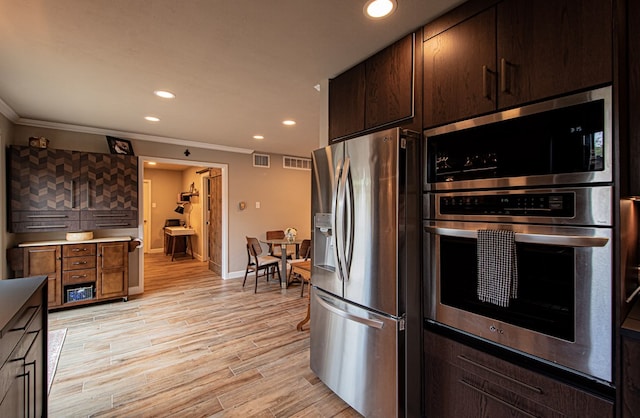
258 137
152 119
289 122
164 94
377 9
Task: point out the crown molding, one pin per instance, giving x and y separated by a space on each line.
130 135
127 135
8 112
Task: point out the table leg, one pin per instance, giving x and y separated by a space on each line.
190 247
173 247
283 269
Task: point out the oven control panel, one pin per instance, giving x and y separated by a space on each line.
525 204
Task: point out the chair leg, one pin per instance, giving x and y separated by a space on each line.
246 272
279 276
255 290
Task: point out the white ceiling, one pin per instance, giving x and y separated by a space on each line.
238 67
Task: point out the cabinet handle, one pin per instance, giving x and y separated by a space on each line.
88 194
504 85
73 201
485 82
78 276
504 376
46 226
79 249
495 398
118 215
46 216
79 262
114 224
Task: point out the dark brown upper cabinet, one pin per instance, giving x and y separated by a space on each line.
514 53
346 102
374 93
59 190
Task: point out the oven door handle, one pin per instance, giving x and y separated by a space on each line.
546 239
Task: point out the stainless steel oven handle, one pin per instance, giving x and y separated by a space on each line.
546 239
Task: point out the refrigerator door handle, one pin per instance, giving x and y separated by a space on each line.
340 219
336 207
325 303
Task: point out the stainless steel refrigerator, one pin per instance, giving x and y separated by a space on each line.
366 271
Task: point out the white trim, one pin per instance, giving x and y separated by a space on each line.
129 135
8 112
224 170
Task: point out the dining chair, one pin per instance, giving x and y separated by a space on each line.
304 253
276 250
256 262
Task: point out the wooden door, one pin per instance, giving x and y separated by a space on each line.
347 102
43 179
46 261
112 270
109 182
460 71
552 49
389 84
214 224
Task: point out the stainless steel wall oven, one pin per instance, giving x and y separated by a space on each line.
544 174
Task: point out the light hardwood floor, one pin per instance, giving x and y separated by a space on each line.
193 345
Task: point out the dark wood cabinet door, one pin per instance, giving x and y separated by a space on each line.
389 84
461 381
633 51
346 102
112 270
630 376
552 48
46 261
460 71
42 179
108 181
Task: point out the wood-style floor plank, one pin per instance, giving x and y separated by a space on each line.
193 345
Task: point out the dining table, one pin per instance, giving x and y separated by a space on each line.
283 242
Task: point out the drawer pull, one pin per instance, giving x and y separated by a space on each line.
495 398
26 317
46 216
79 276
79 249
114 224
502 375
111 216
46 227
79 262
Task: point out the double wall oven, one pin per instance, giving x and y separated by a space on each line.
544 173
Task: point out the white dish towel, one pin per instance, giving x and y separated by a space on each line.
497 267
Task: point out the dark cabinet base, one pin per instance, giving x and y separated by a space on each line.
461 381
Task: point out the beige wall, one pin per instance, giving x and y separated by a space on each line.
284 194
165 186
6 132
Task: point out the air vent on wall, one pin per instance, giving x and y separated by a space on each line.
296 163
261 160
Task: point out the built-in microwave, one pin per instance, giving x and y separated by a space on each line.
562 141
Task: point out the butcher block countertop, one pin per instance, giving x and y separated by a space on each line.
63 242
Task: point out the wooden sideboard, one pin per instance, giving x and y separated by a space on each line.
79 273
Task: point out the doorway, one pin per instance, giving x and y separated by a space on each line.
214 230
